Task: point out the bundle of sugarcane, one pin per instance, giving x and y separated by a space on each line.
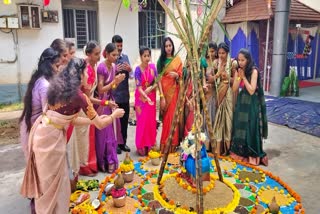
186 32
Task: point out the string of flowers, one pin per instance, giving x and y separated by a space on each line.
293 193
180 178
170 204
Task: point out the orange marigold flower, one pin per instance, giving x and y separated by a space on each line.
147 209
163 195
171 202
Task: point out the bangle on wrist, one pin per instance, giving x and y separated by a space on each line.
114 86
106 103
102 102
161 95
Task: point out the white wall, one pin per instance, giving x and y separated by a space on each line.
127 27
31 43
315 4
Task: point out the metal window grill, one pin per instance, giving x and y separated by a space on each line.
80 25
151 28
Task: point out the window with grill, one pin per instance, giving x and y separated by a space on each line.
151 25
80 25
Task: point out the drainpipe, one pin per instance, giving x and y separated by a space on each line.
17 49
267 47
317 52
280 43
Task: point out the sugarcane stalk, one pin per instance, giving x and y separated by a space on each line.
182 35
175 121
182 17
215 8
198 124
209 127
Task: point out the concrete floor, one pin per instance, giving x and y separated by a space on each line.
311 94
293 156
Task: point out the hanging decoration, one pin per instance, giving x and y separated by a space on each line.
126 3
7 1
46 2
307 48
199 10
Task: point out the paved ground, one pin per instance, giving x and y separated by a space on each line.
294 156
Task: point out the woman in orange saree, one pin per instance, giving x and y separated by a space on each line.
170 69
46 177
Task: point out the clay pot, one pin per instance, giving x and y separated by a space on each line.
119 202
128 176
155 161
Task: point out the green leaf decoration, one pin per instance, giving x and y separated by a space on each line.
126 3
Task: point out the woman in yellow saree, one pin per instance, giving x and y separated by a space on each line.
170 69
224 113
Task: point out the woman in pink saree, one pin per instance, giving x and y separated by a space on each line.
145 99
46 177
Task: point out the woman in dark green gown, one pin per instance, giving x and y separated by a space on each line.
249 120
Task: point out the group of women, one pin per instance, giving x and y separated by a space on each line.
70 122
59 101
234 100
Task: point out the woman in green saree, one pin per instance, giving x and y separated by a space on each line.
250 121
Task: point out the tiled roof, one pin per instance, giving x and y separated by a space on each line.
254 10
300 11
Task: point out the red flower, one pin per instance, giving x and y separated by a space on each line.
117 193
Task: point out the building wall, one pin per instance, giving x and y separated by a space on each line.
30 44
127 27
312 3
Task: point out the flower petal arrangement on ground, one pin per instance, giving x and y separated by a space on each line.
246 189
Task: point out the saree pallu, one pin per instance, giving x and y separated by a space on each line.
146 131
107 139
46 177
82 138
223 119
170 89
82 147
211 105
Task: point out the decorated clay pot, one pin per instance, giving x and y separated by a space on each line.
128 176
155 161
119 202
